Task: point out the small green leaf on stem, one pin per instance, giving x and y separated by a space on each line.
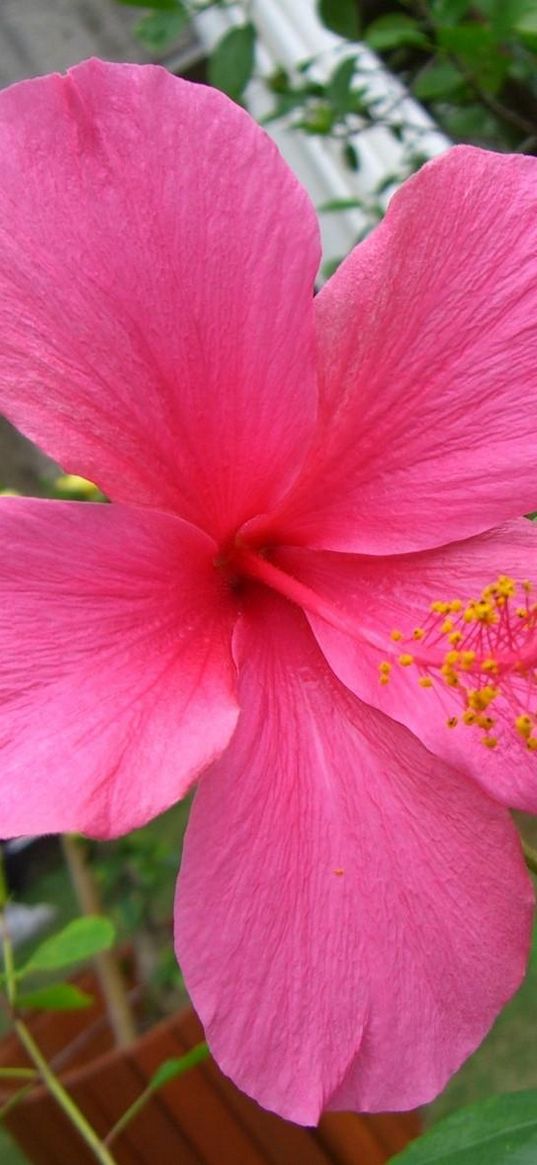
79 940
338 90
341 17
157 30
177 1066
335 204
56 997
393 31
163 1075
437 80
232 62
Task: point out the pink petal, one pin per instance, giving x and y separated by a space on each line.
428 366
382 594
158 260
116 682
351 913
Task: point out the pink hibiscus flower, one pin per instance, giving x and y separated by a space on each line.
291 479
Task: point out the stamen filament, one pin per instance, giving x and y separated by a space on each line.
255 566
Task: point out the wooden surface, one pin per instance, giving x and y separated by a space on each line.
197 1119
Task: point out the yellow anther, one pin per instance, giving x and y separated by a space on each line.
480 698
481 611
452 721
490 665
486 721
484 612
532 743
385 667
447 626
439 607
451 657
425 682
469 717
506 586
526 585
522 612
455 637
524 725
405 660
455 605
467 659
396 636
490 741
418 633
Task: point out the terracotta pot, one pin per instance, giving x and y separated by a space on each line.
197 1119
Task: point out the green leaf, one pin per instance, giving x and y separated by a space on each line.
339 204
56 997
172 1068
469 122
167 5
319 119
232 62
476 47
158 29
351 156
341 17
80 939
339 90
498 1131
439 79
393 31
526 22
449 11
504 15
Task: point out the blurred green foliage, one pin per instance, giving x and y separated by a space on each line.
473 62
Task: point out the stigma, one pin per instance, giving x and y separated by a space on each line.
485 651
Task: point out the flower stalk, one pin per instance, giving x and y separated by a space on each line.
118 1008
42 1068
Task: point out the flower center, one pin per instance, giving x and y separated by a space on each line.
484 650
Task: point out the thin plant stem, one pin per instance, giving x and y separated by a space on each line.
5 941
43 1070
18 1073
189 1060
15 1099
56 1089
109 973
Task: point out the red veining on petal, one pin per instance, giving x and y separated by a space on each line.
485 650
